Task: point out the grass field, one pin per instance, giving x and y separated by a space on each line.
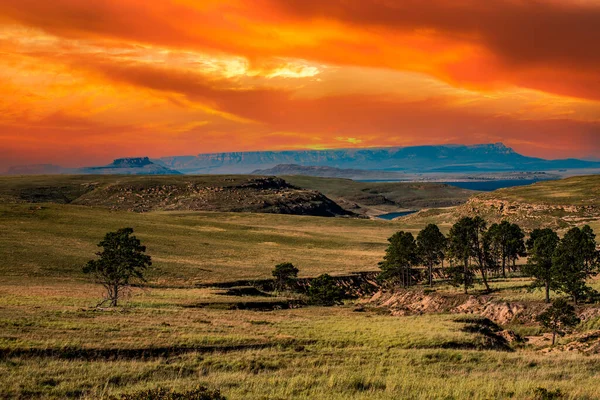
189 247
54 342
55 346
574 191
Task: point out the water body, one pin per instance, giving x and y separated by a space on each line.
393 215
488 186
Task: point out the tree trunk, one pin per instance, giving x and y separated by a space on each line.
547 292
115 298
553 336
466 273
504 267
430 274
485 282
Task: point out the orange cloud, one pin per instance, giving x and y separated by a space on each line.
131 77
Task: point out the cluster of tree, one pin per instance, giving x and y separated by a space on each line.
563 265
470 246
474 248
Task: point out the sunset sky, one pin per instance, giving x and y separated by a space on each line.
86 81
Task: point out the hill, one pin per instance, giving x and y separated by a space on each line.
55 240
372 198
558 204
443 158
168 193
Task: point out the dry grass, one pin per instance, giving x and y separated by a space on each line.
189 247
307 353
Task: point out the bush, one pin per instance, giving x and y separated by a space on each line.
324 292
545 394
200 393
285 275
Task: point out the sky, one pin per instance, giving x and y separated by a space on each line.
83 82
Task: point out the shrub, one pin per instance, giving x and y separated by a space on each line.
200 393
323 291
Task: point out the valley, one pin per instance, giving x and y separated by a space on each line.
208 315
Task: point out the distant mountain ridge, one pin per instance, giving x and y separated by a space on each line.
120 166
435 158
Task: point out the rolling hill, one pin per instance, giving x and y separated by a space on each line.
556 204
236 193
372 198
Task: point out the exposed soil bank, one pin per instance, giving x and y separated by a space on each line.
417 301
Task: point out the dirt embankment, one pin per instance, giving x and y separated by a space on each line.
410 302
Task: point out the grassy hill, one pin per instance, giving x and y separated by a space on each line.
373 198
235 193
53 240
558 204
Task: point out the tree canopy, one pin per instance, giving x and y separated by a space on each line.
431 247
121 261
400 257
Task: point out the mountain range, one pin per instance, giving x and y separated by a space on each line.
120 166
445 159
425 159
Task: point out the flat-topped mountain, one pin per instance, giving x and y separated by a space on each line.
130 166
235 193
442 158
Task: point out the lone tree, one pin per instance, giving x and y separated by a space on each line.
121 261
285 275
560 318
541 247
575 260
431 245
324 292
507 238
400 257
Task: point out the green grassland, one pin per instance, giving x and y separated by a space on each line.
56 346
189 247
54 342
574 191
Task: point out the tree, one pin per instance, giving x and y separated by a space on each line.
121 261
400 257
285 275
591 256
541 247
460 241
431 245
559 318
468 240
323 291
507 240
482 249
574 261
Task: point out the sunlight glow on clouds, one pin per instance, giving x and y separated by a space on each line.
89 81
